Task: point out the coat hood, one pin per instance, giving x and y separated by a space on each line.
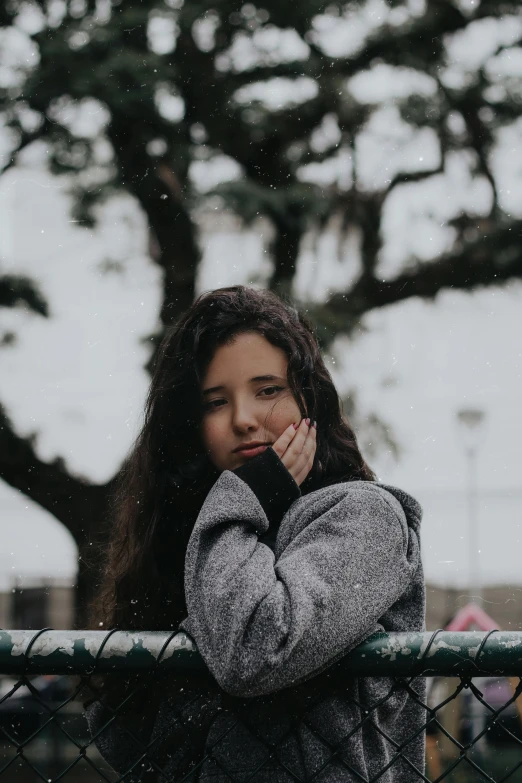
411 507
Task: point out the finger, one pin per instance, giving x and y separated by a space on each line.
310 443
305 461
282 443
296 446
304 470
310 446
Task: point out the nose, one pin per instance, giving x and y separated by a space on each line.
244 418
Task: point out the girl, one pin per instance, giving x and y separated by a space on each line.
246 517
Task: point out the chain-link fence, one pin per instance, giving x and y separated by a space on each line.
67 695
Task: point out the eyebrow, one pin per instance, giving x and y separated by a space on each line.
252 380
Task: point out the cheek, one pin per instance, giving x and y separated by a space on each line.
286 413
290 406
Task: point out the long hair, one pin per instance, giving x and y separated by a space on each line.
167 475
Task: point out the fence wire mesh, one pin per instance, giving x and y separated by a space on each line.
82 706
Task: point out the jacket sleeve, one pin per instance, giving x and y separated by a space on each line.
119 748
262 625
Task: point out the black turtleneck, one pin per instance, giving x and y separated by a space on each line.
274 487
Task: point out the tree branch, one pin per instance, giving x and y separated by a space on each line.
75 502
15 289
413 176
491 259
25 140
480 137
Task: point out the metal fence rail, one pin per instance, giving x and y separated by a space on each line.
472 718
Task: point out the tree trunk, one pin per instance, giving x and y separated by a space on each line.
160 192
91 555
285 251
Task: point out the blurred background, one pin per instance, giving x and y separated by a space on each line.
364 157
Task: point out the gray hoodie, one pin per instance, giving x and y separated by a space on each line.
279 586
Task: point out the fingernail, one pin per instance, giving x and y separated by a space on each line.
314 424
307 421
295 426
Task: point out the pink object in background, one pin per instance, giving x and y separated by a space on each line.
471 614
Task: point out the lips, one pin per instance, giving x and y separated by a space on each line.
253 451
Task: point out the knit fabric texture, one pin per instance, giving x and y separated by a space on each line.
279 586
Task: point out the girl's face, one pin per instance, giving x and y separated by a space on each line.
245 407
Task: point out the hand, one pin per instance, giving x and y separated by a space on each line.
296 450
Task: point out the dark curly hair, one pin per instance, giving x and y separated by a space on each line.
166 476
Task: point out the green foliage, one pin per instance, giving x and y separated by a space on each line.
292 205
105 52
176 83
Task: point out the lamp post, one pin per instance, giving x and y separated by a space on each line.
470 420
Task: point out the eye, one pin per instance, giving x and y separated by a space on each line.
210 405
267 388
213 403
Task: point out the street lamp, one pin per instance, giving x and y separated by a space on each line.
470 420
